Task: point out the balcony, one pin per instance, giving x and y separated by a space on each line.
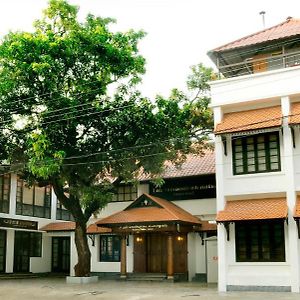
261 63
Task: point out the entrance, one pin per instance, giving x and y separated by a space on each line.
2 250
150 253
22 251
61 254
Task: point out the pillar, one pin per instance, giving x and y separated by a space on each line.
123 257
170 261
289 169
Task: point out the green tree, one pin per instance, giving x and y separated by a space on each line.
59 125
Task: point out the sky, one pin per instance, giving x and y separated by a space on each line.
179 32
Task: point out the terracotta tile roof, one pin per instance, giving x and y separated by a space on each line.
256 209
295 114
165 212
297 208
94 229
288 28
59 226
70 226
193 166
246 120
206 226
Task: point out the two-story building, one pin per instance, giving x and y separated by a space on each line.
256 108
167 230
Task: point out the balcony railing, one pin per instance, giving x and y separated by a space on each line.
257 65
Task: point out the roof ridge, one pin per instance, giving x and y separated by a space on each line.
253 34
186 213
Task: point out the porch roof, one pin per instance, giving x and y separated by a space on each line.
248 120
253 209
70 226
297 208
159 211
294 118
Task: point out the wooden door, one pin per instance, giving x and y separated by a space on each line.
156 253
61 254
2 250
180 253
139 253
22 251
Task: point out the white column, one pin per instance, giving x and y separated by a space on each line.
222 242
53 205
288 161
73 254
10 243
13 195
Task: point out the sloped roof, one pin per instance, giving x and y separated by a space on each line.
288 28
195 165
163 211
254 209
250 120
206 226
70 226
297 208
294 118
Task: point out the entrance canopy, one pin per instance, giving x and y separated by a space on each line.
149 213
254 209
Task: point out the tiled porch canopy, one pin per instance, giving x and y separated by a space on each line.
70 226
254 209
149 213
250 120
294 118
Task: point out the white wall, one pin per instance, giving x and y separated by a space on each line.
98 266
42 264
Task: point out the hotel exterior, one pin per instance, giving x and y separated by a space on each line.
256 106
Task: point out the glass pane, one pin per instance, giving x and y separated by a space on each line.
27 195
262 167
39 195
239 169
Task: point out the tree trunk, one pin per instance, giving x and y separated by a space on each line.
83 267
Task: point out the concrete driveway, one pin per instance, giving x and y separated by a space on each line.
56 288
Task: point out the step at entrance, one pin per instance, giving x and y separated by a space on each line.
146 277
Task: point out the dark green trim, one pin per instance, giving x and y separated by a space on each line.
245 153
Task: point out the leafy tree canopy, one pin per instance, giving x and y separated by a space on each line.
59 124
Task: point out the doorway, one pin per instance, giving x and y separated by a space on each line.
61 255
21 252
150 253
2 250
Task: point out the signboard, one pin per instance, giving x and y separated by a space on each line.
16 223
186 188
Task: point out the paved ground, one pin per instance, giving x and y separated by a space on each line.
45 288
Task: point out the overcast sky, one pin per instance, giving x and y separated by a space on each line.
179 32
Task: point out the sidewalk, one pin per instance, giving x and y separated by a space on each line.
56 288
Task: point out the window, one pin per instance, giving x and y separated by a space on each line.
62 213
125 193
34 201
35 244
256 153
4 193
110 246
260 241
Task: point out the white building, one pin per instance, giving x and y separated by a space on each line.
35 239
257 116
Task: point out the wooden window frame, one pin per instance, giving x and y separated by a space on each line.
21 205
62 213
256 157
121 196
247 228
3 199
105 256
